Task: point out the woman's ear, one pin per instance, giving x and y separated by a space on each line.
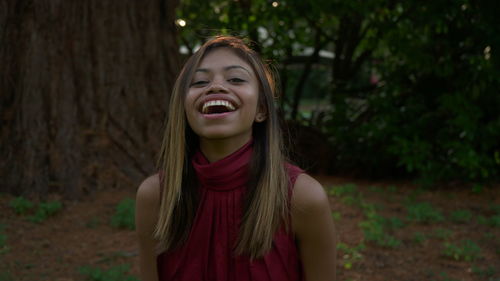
261 111
260 116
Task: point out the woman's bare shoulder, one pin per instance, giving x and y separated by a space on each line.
308 194
149 190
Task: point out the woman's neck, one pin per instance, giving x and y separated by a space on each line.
217 149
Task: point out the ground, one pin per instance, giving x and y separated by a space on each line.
384 233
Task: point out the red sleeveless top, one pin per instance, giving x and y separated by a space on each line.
208 254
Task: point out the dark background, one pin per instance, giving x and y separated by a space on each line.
392 105
372 89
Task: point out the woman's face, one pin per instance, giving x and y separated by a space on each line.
222 100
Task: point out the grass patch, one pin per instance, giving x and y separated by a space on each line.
461 216
43 210
21 205
6 276
443 234
485 272
375 231
493 221
3 242
419 238
3 236
93 222
467 250
343 190
336 216
124 214
115 273
394 223
46 210
351 255
424 212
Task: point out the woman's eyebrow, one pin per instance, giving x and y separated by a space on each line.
227 68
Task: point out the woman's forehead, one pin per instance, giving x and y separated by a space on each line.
224 59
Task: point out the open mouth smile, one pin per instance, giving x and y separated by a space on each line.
217 107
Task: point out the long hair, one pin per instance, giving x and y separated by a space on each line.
266 201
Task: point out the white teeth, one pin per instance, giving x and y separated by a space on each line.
225 103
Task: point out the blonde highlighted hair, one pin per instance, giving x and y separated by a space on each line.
266 202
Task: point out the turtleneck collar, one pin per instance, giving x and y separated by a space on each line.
226 174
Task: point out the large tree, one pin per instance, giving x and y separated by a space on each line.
84 87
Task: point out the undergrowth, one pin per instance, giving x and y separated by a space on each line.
115 273
39 212
124 214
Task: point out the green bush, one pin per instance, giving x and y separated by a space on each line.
343 190
336 216
416 94
46 210
20 205
493 221
467 250
443 233
419 237
6 276
461 216
487 272
116 273
124 214
423 212
374 231
3 240
394 223
351 255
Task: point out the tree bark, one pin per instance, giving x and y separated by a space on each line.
84 88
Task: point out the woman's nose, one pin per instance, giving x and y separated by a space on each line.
216 87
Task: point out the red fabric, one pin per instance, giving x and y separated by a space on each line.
208 253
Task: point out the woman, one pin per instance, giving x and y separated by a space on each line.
226 205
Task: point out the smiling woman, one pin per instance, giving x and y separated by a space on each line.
226 205
222 101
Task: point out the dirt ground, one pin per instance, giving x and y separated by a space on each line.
81 235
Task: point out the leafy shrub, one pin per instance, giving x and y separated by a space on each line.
461 216
419 237
20 205
46 210
3 240
116 273
350 255
494 221
491 221
93 222
342 190
443 233
374 231
124 214
423 212
336 215
6 276
467 250
394 223
484 272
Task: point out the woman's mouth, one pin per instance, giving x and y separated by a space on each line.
217 107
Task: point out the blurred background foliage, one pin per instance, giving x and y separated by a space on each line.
379 88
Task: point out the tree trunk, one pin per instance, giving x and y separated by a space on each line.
84 86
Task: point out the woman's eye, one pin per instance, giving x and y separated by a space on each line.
199 83
236 80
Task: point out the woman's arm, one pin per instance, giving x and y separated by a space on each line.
146 215
313 226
